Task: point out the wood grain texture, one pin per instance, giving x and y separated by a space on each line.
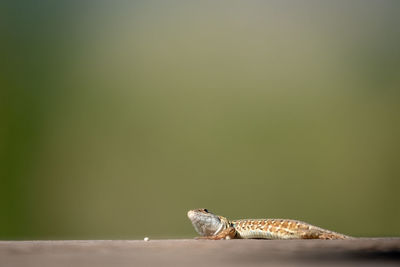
361 252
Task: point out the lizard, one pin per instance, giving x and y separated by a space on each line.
215 227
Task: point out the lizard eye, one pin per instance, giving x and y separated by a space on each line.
205 210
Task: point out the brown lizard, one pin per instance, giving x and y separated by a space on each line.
214 227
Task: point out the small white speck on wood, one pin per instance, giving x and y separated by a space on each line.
146 239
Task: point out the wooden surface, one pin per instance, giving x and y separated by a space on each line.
361 252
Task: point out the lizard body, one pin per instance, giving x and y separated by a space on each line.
211 226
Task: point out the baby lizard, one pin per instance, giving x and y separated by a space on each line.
211 226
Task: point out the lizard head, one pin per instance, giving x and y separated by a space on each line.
206 223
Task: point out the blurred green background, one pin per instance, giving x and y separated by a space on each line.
119 116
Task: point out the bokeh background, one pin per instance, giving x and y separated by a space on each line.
119 116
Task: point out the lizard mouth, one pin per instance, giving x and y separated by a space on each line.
191 215
198 214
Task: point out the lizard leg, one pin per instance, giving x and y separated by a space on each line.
311 234
228 233
316 234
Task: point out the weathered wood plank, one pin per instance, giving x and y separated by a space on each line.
365 252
